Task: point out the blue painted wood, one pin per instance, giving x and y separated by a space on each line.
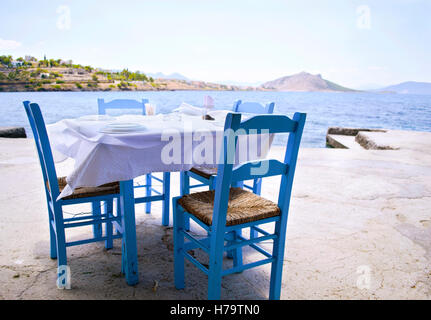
284 203
85 200
256 187
247 170
252 224
102 218
167 198
129 233
149 199
239 106
52 235
200 223
133 104
179 220
88 241
196 244
253 107
269 123
219 233
148 193
109 211
247 266
121 104
192 245
221 198
200 178
185 189
57 223
97 211
236 255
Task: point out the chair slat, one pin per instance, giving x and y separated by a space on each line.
268 124
260 169
253 107
121 104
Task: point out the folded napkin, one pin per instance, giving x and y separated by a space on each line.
188 109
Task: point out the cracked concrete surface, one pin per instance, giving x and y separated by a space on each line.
359 228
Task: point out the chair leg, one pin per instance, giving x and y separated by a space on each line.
52 235
215 268
238 184
277 265
61 255
231 254
185 190
61 248
178 214
109 207
257 189
148 192
118 204
97 228
129 248
123 258
53 242
236 254
167 198
257 186
212 184
63 274
253 234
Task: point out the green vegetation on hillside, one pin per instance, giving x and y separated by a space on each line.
31 74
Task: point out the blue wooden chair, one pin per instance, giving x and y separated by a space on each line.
225 211
58 224
163 195
207 176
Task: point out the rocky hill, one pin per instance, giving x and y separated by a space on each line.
303 82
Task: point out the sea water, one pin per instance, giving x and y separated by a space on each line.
324 110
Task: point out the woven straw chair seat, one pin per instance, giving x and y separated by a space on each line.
85 192
204 172
243 207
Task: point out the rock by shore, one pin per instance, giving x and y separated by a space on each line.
12 132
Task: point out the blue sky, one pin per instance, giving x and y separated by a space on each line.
354 43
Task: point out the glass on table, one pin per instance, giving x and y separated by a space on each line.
150 109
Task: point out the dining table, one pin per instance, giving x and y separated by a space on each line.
108 149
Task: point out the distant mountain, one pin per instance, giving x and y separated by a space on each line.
410 87
304 82
160 75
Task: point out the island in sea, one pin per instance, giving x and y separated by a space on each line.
304 82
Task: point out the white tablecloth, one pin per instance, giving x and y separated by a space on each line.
102 158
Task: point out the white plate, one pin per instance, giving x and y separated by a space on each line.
123 127
96 118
